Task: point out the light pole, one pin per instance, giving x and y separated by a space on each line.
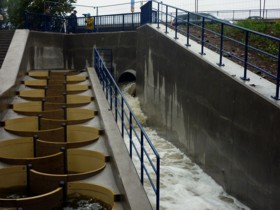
196 6
260 8
263 7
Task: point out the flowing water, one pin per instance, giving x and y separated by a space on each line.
183 184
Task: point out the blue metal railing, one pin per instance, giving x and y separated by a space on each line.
139 142
196 26
103 23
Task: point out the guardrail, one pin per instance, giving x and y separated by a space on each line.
139 142
103 23
197 27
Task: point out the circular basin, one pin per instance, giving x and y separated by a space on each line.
71 114
29 126
70 100
79 164
71 77
93 191
15 192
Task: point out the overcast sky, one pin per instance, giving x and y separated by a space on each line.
203 5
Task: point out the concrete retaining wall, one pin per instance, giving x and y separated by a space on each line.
67 51
229 130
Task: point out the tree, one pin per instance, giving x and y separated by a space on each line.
17 8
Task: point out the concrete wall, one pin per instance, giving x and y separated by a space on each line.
67 51
229 130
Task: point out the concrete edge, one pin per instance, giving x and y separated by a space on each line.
13 59
127 180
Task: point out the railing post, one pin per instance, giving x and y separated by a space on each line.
176 26
106 84
122 118
132 20
276 97
202 37
188 31
111 96
130 134
246 57
142 158
158 185
123 22
116 104
158 16
221 45
166 19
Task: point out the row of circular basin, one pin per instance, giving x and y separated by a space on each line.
46 160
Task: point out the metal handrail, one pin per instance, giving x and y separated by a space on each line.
56 23
139 142
168 16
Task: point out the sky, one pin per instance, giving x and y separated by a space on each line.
89 6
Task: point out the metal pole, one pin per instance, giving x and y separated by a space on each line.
263 7
260 8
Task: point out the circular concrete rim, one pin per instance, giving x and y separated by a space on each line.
72 99
92 190
52 198
16 177
72 114
20 151
77 136
75 133
81 164
31 124
49 73
37 83
41 84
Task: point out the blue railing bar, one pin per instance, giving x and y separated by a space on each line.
150 179
215 47
188 32
261 70
130 132
142 158
263 52
126 116
122 113
135 149
278 75
176 25
150 143
116 104
136 135
202 37
151 162
213 32
158 184
246 57
166 19
233 40
158 16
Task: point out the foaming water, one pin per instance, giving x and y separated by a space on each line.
183 184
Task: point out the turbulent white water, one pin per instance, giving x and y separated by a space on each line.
183 185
